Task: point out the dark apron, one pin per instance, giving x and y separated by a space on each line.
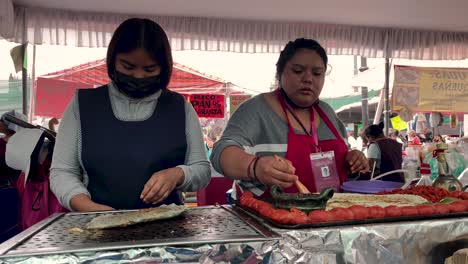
390 159
121 156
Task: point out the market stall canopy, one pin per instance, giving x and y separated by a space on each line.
349 108
396 14
55 90
398 29
343 102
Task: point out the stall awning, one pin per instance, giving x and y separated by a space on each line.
345 29
345 102
55 90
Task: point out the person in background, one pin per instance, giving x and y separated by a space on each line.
384 154
53 124
291 123
427 135
413 138
350 138
396 136
132 143
210 139
438 139
359 141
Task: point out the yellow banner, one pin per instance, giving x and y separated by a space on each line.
236 100
430 89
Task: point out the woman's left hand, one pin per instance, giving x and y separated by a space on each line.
357 161
161 184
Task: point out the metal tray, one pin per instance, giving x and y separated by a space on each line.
198 225
350 222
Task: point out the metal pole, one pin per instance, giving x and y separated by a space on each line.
378 112
364 95
32 94
355 65
387 96
24 69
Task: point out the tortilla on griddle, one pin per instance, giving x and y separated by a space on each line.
345 200
136 217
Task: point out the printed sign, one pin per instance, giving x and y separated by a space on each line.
430 89
208 105
236 100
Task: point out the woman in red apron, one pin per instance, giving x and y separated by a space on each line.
318 160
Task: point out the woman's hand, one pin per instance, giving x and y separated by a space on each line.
161 184
82 203
273 171
357 161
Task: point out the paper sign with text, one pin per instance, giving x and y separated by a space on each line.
208 105
236 100
430 89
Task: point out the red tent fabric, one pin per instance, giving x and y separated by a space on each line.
55 90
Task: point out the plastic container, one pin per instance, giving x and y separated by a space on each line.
370 187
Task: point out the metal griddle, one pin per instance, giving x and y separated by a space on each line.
198 225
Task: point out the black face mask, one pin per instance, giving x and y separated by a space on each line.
137 87
292 104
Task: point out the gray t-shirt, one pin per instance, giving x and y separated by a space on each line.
67 175
259 130
373 152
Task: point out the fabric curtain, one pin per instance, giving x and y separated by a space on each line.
6 19
87 29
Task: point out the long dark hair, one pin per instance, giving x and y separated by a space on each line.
136 33
292 47
375 130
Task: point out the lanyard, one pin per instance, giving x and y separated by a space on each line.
312 121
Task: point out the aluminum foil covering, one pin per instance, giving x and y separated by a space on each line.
404 242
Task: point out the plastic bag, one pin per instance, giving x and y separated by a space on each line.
457 164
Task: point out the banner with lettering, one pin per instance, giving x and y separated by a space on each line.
208 105
235 100
430 89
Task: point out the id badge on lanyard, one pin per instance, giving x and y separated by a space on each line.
323 163
324 170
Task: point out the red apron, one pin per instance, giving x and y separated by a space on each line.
300 147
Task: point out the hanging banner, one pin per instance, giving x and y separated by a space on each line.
430 89
236 100
208 105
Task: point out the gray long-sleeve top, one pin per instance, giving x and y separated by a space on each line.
67 175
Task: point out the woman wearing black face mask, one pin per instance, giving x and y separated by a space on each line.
291 122
132 143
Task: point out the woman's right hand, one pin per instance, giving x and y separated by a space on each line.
273 171
82 203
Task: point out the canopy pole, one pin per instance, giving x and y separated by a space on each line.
227 100
378 111
32 93
24 69
364 95
387 96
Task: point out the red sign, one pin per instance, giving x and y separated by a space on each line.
208 105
